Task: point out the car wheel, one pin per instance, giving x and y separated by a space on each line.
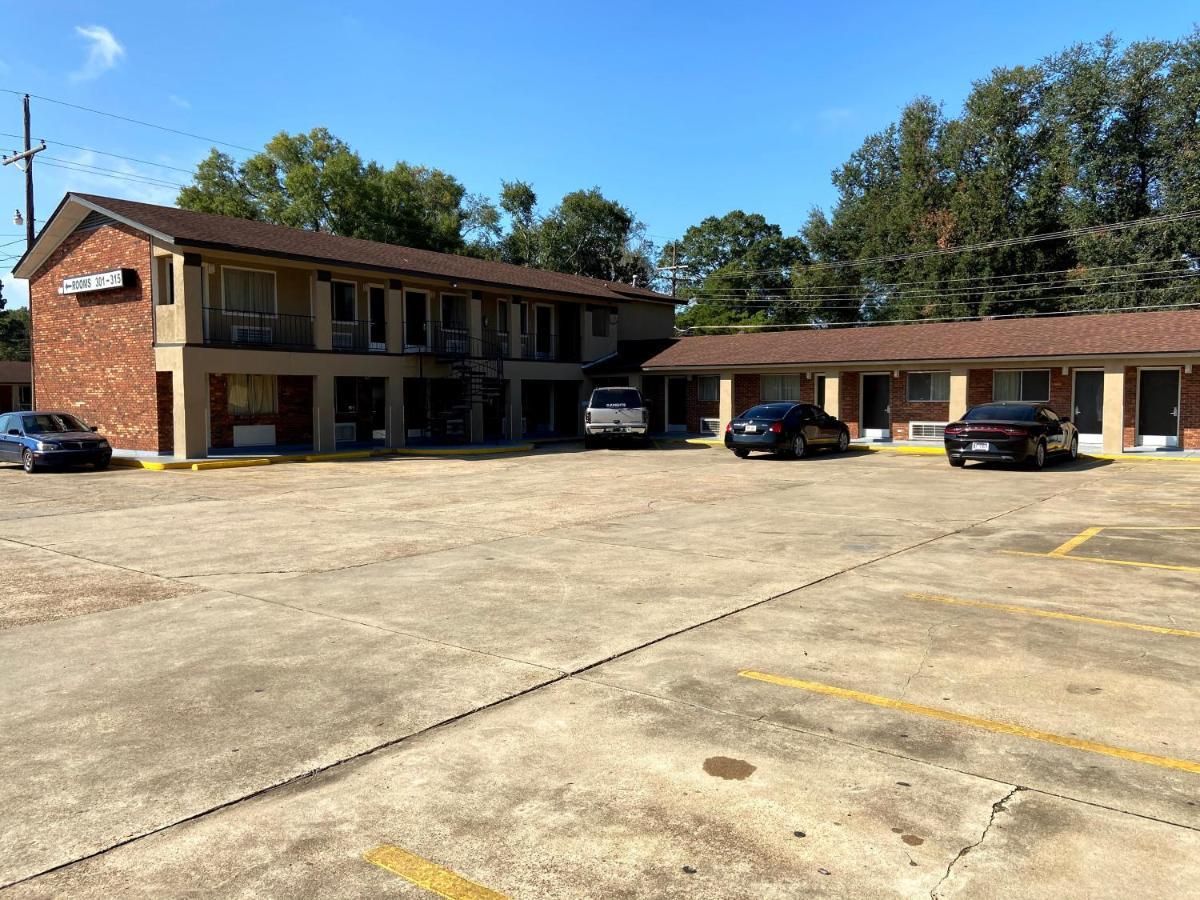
957 463
589 443
741 454
799 446
1039 455
843 443
1075 447
28 463
102 465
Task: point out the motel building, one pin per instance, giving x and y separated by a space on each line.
183 333
1129 381
16 387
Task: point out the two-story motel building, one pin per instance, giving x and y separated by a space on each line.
181 332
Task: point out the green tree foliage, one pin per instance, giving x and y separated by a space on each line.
14 331
1099 134
736 271
316 181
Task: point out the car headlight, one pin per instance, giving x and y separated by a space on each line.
47 445
103 444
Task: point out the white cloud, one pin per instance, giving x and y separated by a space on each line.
103 53
179 101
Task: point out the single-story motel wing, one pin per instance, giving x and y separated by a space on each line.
183 333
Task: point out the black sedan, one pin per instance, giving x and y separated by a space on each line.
37 439
791 428
1011 433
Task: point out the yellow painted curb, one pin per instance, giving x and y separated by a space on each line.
699 442
452 451
329 457
903 448
127 462
229 464
1138 457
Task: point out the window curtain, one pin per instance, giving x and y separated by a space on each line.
1007 386
709 388
248 291
252 395
780 387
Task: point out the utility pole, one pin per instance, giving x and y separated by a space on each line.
27 157
674 268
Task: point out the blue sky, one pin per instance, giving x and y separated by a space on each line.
678 110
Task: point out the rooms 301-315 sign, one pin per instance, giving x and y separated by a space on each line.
98 281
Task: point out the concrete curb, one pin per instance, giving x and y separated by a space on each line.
151 465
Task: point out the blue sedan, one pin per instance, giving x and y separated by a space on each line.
42 439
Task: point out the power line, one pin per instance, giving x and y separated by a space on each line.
145 162
113 174
105 170
100 112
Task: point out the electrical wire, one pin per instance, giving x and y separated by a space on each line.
145 162
110 174
104 170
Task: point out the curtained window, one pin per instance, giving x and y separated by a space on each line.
1031 385
708 388
779 387
252 395
248 290
928 387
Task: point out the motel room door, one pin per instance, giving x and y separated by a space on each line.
1088 411
677 403
876 406
1158 408
416 314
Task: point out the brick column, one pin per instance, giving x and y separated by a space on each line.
324 439
1113 419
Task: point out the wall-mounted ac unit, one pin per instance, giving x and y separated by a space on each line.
710 426
253 435
250 334
926 431
345 432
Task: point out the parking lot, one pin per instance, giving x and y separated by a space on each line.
615 673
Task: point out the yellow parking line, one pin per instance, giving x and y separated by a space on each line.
1085 535
1101 559
428 875
1049 614
1165 762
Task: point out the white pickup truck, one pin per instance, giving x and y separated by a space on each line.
615 413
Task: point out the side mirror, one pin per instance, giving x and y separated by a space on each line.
93 429
14 432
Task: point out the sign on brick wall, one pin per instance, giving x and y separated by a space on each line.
98 281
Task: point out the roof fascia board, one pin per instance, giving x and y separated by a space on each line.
817 366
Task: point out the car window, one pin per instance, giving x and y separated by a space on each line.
4 426
999 412
768 411
51 423
616 398
1049 415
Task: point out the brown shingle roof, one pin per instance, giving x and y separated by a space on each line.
1113 334
197 229
14 371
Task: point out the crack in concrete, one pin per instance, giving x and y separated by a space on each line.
924 658
997 808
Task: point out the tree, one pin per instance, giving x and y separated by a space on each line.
737 271
14 330
316 181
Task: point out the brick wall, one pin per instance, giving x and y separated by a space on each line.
165 399
293 421
1129 435
697 408
94 353
904 411
848 401
1189 409
979 387
746 392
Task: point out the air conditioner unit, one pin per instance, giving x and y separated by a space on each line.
345 432
710 426
926 431
250 334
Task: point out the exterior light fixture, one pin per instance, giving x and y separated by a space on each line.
18 219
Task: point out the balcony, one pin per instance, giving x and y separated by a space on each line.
359 336
235 328
542 346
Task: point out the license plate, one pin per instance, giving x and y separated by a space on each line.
980 446
751 429
619 430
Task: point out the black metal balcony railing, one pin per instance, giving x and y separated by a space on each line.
448 338
236 328
357 335
497 339
542 345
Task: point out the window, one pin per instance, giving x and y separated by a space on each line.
708 388
25 397
344 294
248 290
616 398
600 321
252 395
928 387
166 284
1032 385
767 411
4 426
780 387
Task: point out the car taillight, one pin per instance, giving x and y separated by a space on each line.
1010 431
587 417
776 427
728 427
956 428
